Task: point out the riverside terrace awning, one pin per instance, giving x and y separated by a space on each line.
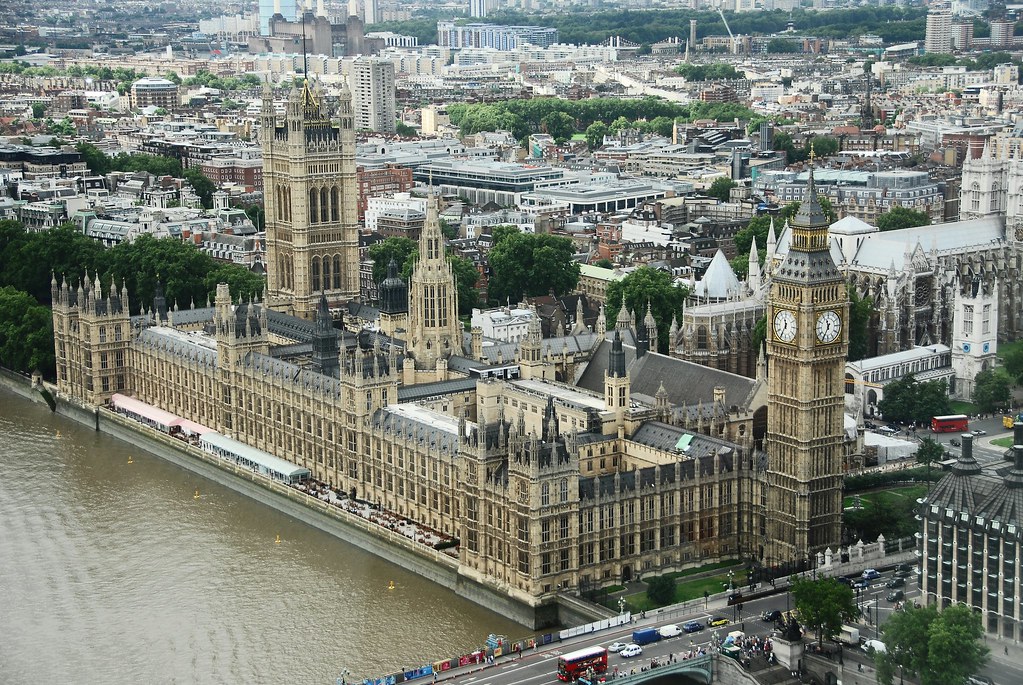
253 458
145 413
156 417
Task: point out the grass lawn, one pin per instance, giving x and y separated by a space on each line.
968 408
1005 348
708 567
883 498
1002 442
692 589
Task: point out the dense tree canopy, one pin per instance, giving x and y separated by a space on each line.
466 277
910 401
707 72
861 343
402 250
720 189
824 605
29 260
523 117
646 286
660 590
531 264
26 333
1013 360
902 217
992 390
942 648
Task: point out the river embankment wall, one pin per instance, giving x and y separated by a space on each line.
432 564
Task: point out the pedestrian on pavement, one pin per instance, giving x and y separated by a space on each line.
1006 650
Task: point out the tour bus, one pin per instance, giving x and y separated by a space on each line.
579 663
956 423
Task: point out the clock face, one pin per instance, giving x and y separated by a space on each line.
829 327
785 326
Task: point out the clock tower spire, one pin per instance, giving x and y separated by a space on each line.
807 344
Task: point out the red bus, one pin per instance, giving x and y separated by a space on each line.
577 664
956 423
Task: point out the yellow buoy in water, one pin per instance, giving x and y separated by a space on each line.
278 540
196 495
390 586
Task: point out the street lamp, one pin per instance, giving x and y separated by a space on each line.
621 604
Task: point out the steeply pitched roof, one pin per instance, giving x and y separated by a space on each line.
687 383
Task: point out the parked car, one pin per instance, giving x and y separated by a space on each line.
870 574
718 621
692 626
870 425
616 646
895 582
630 651
670 630
978 680
895 596
844 580
772 615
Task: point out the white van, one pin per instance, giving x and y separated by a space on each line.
874 645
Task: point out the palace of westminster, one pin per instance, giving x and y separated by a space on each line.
582 462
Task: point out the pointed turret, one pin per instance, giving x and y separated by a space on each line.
753 277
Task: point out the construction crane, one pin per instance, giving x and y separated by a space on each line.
731 37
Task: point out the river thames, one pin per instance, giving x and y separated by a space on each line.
113 572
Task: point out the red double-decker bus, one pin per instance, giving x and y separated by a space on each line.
579 663
956 423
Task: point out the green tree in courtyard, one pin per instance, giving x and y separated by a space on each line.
902 217
721 187
466 277
531 264
558 125
860 311
930 452
402 250
38 110
911 401
595 133
660 590
202 186
992 390
95 159
604 263
941 648
1013 361
26 333
824 605
645 286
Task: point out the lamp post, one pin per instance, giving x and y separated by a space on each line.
621 605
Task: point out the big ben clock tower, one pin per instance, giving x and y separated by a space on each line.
807 343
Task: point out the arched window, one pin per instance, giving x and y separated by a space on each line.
315 270
545 494
335 204
850 387
336 272
313 204
975 197
326 272
701 337
324 205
